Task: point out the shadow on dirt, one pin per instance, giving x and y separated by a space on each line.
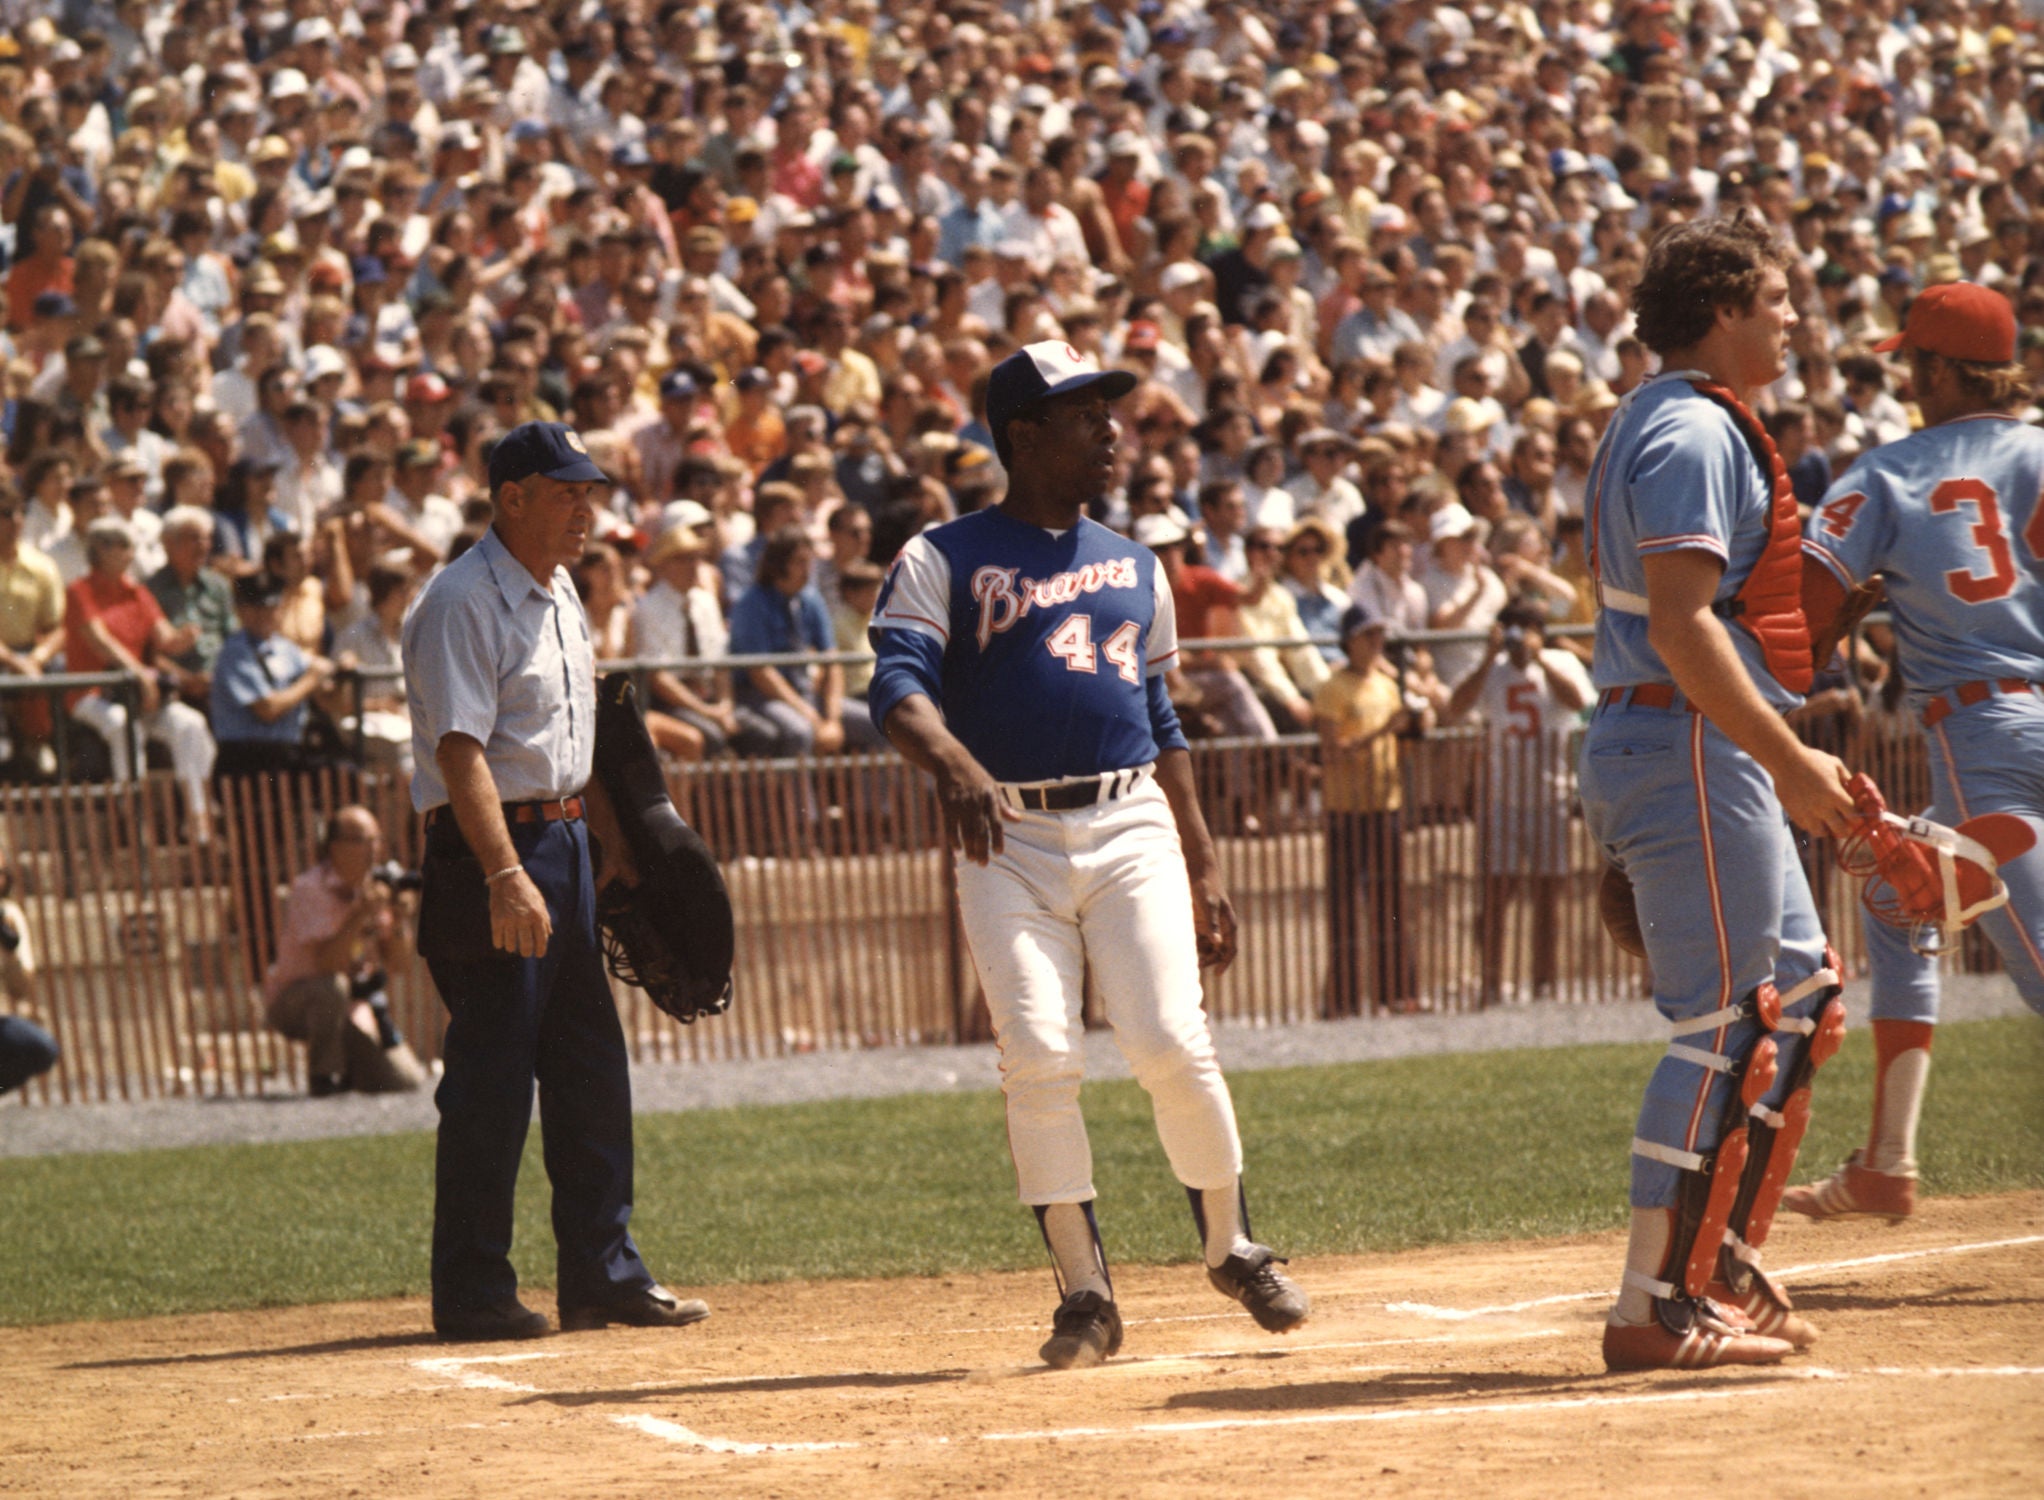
1857 1299
368 1344
1410 1388
868 1380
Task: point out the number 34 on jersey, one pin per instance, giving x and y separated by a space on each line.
1987 563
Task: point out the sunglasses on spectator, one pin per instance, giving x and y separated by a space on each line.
1308 549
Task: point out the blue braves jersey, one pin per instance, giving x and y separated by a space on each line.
1949 519
1674 473
1046 651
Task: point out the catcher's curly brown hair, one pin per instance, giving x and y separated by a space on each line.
1695 269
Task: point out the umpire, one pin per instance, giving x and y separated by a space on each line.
501 685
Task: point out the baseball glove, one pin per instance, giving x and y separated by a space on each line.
1620 916
671 933
1826 635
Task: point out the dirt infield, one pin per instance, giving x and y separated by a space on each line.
1470 1369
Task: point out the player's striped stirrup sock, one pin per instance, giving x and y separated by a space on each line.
1901 1067
1073 1237
1222 1215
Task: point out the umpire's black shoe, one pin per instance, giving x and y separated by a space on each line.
650 1306
1255 1281
483 1325
1085 1330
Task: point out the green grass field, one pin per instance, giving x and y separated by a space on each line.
1358 1157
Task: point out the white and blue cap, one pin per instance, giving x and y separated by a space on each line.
1037 372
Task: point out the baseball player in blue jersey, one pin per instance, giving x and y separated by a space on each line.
1690 779
1022 653
1949 521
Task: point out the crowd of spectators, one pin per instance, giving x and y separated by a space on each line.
278 274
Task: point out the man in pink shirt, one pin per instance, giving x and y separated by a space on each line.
339 932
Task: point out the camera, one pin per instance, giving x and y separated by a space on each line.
396 877
10 940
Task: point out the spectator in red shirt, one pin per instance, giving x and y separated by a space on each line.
1205 604
112 623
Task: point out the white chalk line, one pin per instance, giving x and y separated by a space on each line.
674 1432
1786 1273
455 1368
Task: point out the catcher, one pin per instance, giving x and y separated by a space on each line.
502 693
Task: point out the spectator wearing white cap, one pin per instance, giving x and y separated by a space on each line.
1242 273
1462 591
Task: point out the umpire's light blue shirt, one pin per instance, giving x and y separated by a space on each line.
492 654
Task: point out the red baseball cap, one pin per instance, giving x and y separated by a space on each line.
426 388
1960 320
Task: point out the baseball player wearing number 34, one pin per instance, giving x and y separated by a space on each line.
1949 520
1022 653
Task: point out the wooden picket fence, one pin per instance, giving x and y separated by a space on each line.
150 948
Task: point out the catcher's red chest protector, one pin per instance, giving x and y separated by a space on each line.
1769 603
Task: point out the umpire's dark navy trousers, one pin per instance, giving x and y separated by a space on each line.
513 1020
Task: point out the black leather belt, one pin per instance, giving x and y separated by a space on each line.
519 812
1081 791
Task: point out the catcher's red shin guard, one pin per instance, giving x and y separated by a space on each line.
1709 1186
1774 1139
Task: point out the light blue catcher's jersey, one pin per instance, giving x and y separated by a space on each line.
1045 650
1674 473
1949 519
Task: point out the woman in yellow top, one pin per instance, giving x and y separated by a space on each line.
1360 713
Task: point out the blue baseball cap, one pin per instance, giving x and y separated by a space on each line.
553 449
1037 372
677 385
630 154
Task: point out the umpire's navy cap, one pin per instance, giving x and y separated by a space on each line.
1037 372
551 448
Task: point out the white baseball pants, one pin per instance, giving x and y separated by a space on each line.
1103 886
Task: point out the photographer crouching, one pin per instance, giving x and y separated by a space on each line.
340 931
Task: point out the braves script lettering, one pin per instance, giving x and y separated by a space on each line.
1004 599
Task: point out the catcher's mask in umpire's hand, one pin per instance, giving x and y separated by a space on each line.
671 934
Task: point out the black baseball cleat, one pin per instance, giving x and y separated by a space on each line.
650 1306
1255 1281
1086 1329
487 1325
